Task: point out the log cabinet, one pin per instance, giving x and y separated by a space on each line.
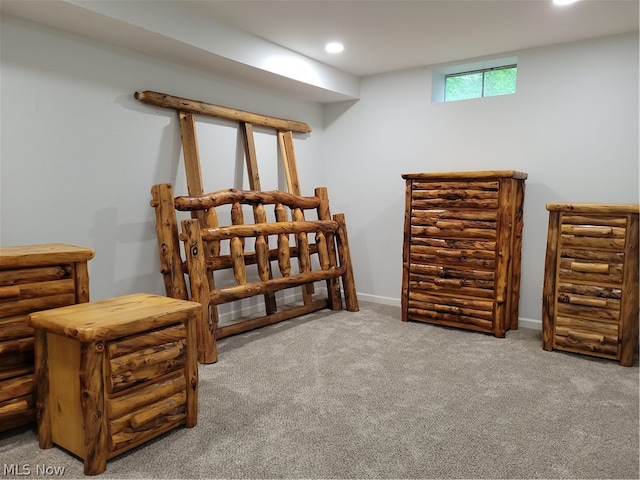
32 278
115 373
461 253
590 295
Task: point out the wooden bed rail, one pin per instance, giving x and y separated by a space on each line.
210 247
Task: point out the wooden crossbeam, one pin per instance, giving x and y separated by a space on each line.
211 110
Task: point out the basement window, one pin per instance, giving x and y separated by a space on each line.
486 82
486 77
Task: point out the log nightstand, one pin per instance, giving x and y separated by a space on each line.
114 373
590 296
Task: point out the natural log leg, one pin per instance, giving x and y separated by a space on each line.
41 373
93 408
629 313
191 372
550 279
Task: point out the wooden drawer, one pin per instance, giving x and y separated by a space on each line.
583 334
16 347
457 195
146 413
146 383
17 401
451 310
141 358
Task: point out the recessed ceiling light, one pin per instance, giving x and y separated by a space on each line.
334 47
563 2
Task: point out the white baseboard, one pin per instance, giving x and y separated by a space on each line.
395 302
530 323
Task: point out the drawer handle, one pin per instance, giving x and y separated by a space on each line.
588 302
586 337
9 292
13 408
157 409
590 267
446 224
593 231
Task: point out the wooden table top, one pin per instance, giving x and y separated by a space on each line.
113 317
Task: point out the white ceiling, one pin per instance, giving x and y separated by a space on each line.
236 37
386 35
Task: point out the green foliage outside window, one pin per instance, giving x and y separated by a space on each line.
480 83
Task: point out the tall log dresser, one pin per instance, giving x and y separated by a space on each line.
32 278
461 253
590 295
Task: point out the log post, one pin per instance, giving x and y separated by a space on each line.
208 320
348 280
284 260
93 403
503 258
406 266
333 285
304 259
516 260
41 374
629 312
262 257
168 244
550 279
191 370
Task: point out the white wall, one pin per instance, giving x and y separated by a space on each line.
572 127
79 154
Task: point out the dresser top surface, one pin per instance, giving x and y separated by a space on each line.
470 175
595 208
51 253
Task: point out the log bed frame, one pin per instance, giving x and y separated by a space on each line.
324 240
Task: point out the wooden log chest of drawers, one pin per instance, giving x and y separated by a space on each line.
32 278
115 373
461 253
590 294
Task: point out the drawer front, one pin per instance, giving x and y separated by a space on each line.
586 335
28 290
592 249
17 403
146 412
450 310
455 195
141 358
452 252
589 286
16 347
146 385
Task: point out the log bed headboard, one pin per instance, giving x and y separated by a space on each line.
320 250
